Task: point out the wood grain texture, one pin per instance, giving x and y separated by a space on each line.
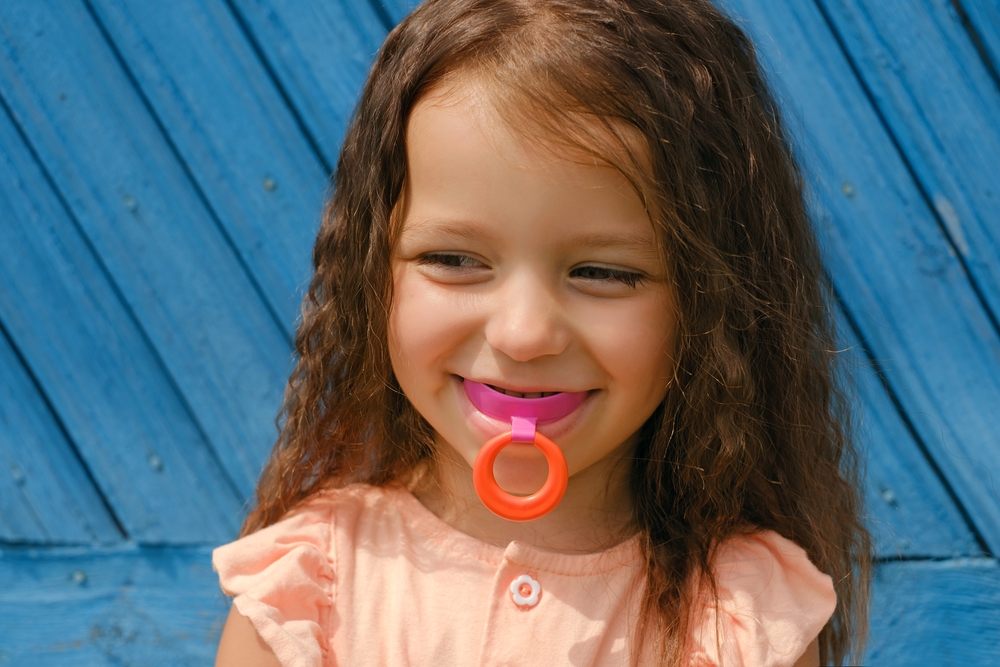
942 108
395 9
46 495
130 606
221 110
103 379
909 510
943 613
163 607
142 214
984 17
892 264
152 310
320 53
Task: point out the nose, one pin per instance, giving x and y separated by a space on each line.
527 320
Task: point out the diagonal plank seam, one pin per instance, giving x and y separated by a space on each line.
58 420
908 165
383 15
914 433
140 329
279 86
178 156
977 42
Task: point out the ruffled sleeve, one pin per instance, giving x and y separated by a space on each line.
772 603
282 580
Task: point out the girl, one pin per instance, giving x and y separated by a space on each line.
576 224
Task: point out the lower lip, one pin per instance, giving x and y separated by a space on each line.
489 427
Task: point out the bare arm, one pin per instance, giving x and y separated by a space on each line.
241 646
811 657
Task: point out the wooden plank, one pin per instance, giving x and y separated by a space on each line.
910 512
984 17
907 53
137 206
130 606
228 121
45 493
320 53
163 607
395 10
891 262
936 613
109 388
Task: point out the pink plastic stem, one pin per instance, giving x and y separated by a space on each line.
522 429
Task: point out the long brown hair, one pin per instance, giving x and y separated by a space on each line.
754 430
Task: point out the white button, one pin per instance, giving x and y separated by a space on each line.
525 591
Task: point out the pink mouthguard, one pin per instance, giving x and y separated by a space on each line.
522 413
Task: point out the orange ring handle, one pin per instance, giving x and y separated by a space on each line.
520 508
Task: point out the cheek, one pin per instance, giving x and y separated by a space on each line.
639 355
411 331
423 326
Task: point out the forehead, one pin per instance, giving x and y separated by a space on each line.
458 120
466 163
541 121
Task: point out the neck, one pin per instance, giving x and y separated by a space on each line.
595 513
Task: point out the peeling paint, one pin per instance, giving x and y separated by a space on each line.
951 223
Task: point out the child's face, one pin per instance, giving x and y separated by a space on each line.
522 269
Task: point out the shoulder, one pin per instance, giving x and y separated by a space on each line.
766 567
305 532
772 602
282 576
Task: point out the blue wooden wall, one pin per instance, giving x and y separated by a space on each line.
162 169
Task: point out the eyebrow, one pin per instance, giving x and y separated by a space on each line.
473 231
612 240
463 229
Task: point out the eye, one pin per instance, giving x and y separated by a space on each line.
605 274
449 260
453 268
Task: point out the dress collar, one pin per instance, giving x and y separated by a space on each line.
437 533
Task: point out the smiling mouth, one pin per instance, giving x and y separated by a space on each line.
503 404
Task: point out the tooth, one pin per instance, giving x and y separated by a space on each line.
517 394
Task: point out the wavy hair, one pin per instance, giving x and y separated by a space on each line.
754 430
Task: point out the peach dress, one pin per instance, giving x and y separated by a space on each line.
366 576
